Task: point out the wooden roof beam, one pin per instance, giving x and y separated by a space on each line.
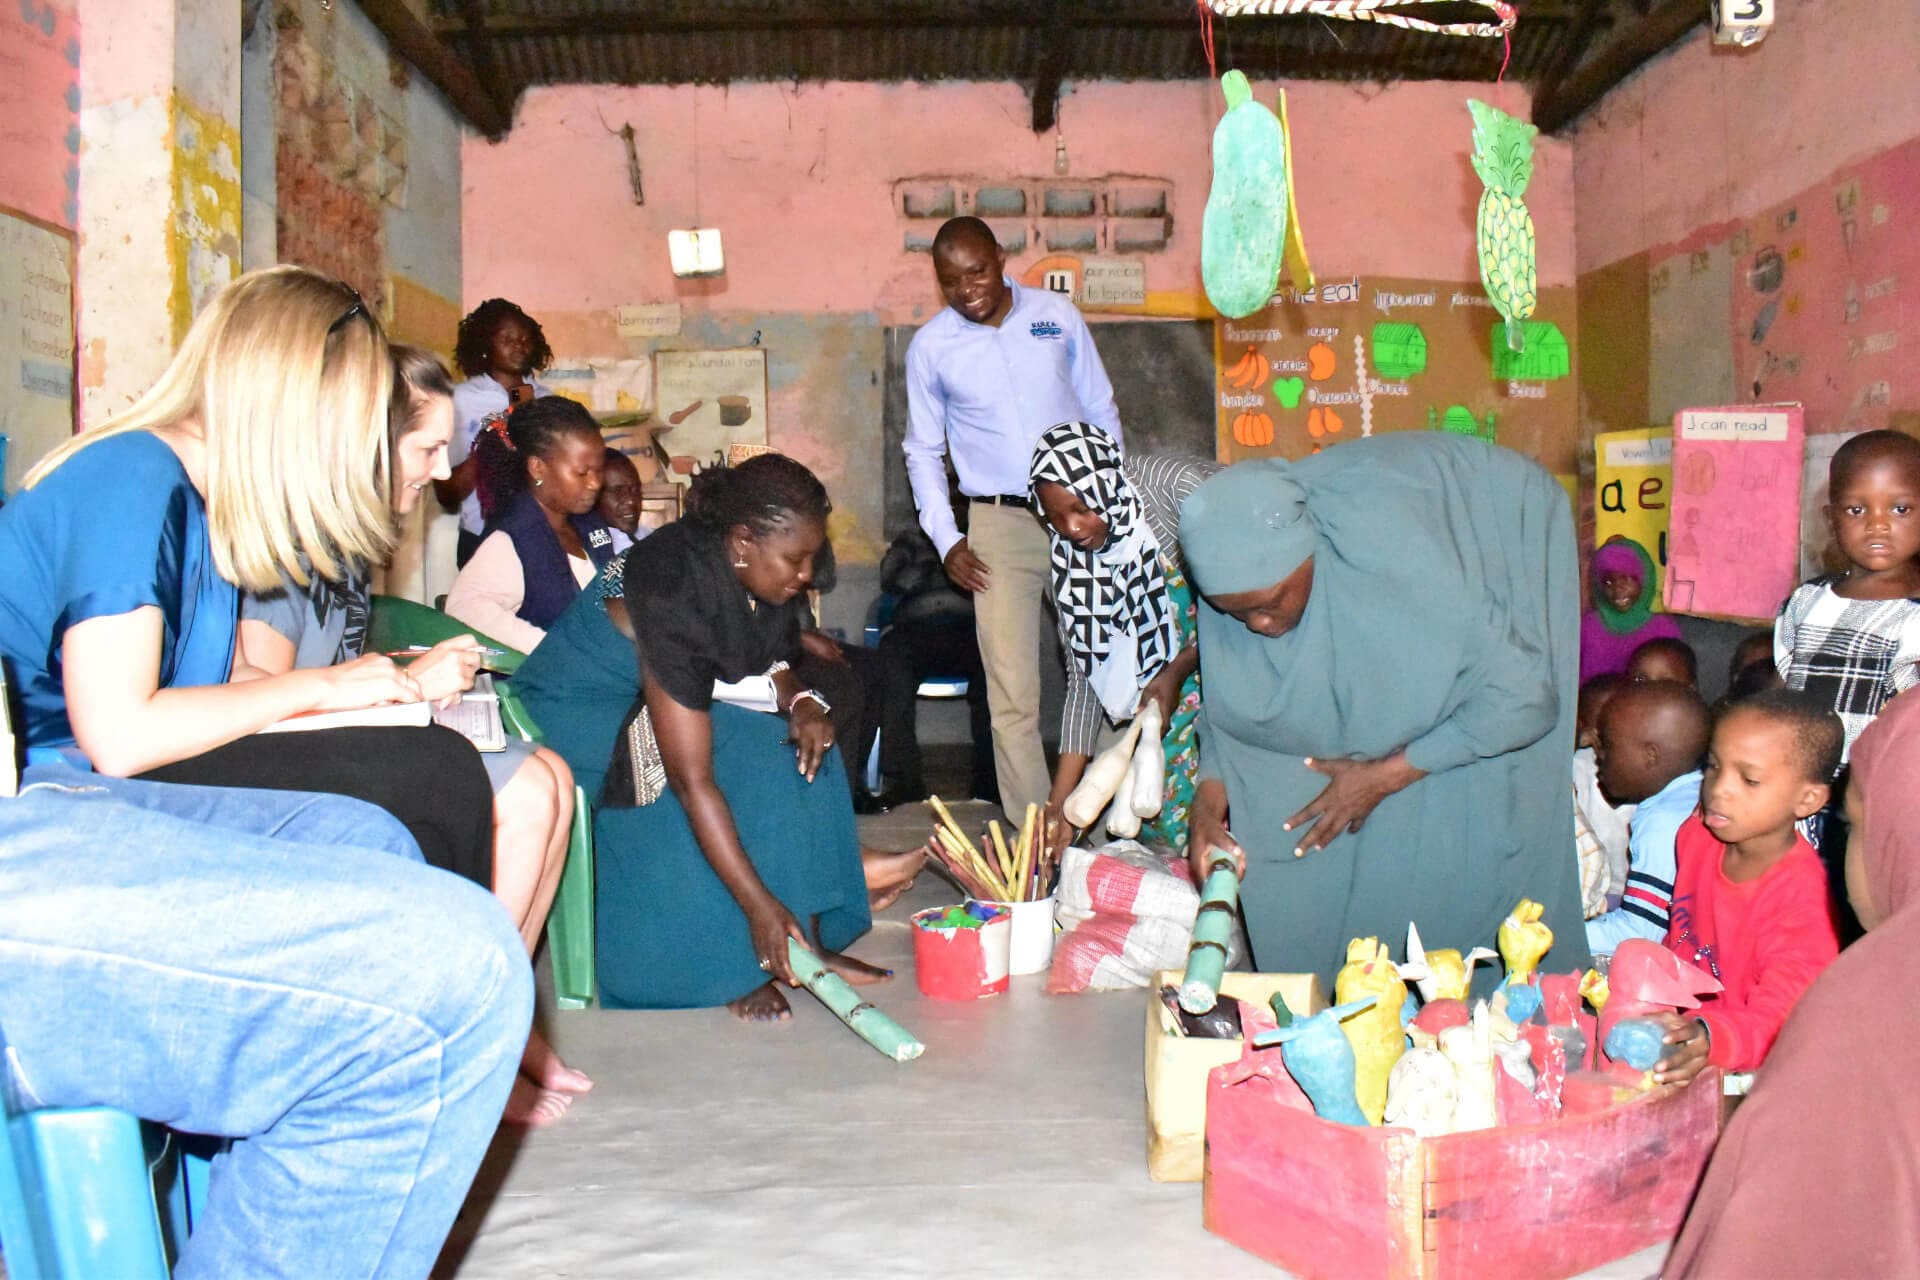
1633 44
413 40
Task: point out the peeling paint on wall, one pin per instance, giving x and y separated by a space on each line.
204 248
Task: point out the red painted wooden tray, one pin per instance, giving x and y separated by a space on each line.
1520 1201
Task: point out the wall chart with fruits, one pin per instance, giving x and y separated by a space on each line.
1362 355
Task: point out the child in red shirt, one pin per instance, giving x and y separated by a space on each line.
1750 894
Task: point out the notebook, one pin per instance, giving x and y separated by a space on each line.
476 717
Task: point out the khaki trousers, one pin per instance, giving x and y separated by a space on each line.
1007 621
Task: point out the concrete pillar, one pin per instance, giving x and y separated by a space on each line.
160 203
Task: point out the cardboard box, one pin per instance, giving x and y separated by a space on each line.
1177 1067
1518 1201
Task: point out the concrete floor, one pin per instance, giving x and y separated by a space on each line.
1015 1147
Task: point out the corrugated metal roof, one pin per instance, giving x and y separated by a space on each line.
715 41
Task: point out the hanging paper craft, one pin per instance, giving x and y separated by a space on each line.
1243 233
1541 357
1399 350
1384 11
1294 251
1503 157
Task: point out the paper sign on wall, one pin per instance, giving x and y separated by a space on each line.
648 320
1633 489
1734 540
1113 282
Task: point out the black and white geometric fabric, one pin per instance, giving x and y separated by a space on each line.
1854 655
1114 611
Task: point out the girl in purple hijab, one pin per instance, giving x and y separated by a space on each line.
1624 584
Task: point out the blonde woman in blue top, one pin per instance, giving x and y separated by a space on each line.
262 450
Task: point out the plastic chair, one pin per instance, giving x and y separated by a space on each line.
879 618
91 1192
394 623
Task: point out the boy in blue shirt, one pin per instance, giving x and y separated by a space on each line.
1651 740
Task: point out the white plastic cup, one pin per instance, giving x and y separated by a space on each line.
1031 948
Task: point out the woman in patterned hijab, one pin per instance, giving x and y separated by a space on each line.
1125 612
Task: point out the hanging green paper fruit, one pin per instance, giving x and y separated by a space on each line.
1243 235
1503 157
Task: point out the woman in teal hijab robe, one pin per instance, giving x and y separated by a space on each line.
1390 641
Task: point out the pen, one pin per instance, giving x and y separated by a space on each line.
414 651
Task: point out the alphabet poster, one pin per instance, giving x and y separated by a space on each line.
1734 541
1633 489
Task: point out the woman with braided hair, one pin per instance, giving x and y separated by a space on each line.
719 831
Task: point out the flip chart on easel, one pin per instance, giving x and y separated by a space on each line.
1734 542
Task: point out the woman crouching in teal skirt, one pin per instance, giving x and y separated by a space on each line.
720 831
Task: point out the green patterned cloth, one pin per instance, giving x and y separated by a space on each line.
1181 741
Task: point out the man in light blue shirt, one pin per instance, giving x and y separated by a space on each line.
986 378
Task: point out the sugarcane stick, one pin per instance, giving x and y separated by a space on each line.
976 864
964 855
1207 957
946 816
1023 859
867 1022
1000 849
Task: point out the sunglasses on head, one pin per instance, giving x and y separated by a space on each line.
359 308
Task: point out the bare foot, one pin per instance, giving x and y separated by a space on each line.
531 1106
858 973
543 1066
890 874
762 1004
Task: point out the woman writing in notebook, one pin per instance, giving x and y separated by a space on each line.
324 623
120 634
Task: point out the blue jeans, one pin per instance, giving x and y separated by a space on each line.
250 970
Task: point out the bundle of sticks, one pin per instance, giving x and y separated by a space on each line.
990 871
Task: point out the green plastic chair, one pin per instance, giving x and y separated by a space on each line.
395 624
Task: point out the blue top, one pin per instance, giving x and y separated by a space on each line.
115 528
985 396
1648 900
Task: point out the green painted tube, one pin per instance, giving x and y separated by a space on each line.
1207 957
869 1023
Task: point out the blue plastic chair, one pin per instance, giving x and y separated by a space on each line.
93 1193
879 618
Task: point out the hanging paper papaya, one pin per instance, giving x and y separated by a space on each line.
1242 234
1503 157
1253 429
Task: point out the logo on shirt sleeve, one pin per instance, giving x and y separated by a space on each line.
1046 329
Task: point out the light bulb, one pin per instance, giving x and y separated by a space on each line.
1060 157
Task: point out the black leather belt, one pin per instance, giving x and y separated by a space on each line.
1004 500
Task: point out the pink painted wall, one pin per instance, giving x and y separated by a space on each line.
1746 225
1709 134
799 181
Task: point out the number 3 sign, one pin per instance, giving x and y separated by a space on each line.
1741 22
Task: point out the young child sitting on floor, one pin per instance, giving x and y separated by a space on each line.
1750 901
1853 639
1665 658
1600 828
1751 668
1624 584
1651 739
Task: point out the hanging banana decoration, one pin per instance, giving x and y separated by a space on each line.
1503 157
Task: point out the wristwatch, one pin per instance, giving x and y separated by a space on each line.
826 707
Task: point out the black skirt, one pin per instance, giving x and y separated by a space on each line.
430 778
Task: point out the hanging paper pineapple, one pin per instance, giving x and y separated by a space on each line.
1503 157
